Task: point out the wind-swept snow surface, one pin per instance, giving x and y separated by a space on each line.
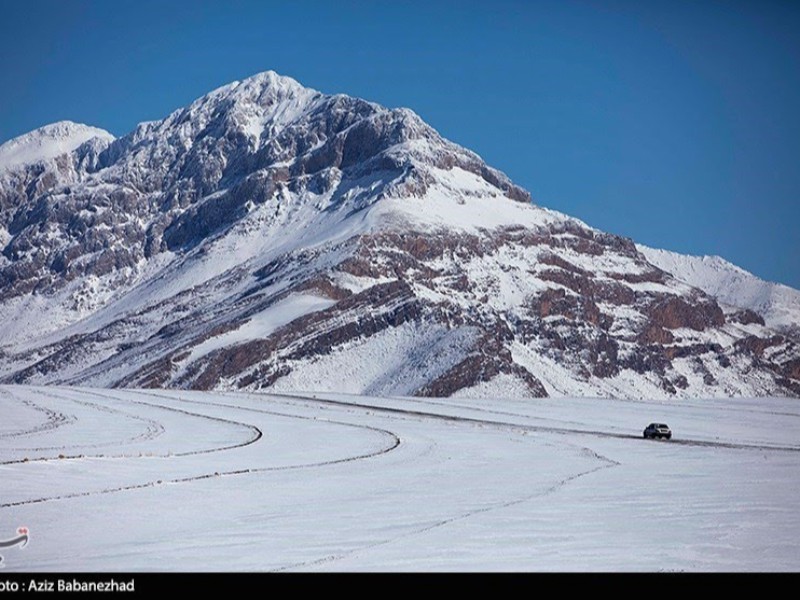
175 480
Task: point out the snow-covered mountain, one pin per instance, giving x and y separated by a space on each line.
778 304
270 236
48 143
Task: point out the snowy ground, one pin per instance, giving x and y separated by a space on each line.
163 480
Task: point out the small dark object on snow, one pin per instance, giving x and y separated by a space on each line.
657 430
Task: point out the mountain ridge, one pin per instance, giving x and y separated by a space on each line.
777 303
271 236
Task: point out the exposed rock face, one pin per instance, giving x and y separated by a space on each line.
695 313
271 237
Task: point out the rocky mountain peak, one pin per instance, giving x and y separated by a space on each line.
265 85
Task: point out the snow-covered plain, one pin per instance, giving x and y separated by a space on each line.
116 480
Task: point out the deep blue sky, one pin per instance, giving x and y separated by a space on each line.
675 123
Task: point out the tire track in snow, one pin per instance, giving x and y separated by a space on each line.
251 409
429 402
153 430
537 428
395 443
178 480
53 419
257 434
607 464
150 435
678 441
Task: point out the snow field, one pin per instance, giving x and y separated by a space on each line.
176 480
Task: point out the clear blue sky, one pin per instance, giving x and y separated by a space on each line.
676 123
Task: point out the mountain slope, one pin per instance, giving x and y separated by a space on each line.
778 304
270 236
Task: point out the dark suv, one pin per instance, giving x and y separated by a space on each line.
657 430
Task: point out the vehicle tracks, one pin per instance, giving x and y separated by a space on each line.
607 464
538 428
395 442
